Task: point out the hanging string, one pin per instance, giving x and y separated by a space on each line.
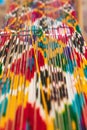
12 82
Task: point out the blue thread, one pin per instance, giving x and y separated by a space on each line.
31 63
2 2
6 87
85 71
3 104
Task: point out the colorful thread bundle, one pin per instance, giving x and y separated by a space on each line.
43 68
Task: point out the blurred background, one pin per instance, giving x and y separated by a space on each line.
79 5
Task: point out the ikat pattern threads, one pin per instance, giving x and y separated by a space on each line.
43 69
